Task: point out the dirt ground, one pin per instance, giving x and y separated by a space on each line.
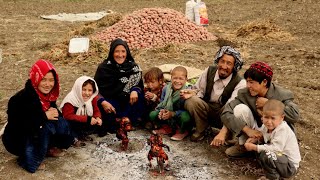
283 33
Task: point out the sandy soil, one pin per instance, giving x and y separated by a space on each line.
282 33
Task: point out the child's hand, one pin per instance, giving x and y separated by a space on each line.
260 102
150 96
93 121
99 121
250 146
108 107
161 113
133 97
167 114
187 93
254 133
52 114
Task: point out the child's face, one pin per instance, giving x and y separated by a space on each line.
272 119
178 79
47 83
154 84
87 92
256 88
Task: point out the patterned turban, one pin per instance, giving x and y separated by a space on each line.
263 68
230 51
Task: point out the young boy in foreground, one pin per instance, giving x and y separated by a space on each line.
279 153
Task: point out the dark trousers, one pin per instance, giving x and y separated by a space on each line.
123 109
34 150
276 165
80 130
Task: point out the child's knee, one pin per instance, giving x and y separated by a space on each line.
153 115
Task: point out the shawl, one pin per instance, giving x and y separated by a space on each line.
75 98
170 97
117 80
37 72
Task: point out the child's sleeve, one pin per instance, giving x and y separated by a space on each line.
163 94
70 115
277 142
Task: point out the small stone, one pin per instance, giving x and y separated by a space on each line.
307 147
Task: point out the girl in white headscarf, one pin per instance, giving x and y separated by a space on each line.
80 108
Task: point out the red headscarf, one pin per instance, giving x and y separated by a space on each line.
37 72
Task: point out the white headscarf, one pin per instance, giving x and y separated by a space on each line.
75 97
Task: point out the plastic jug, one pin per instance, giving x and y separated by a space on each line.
189 9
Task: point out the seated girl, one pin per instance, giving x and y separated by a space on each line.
80 108
34 122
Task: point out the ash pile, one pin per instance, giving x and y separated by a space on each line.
185 162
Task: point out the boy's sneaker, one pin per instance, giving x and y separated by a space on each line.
164 130
179 136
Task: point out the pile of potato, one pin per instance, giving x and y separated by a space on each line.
154 27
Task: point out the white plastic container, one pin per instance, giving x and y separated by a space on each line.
78 45
189 9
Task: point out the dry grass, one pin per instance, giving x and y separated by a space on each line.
263 29
97 50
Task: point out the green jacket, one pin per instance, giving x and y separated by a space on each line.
244 97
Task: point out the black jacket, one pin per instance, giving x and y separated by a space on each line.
25 118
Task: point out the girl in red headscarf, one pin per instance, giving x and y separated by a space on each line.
34 122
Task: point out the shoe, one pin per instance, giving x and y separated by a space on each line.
85 138
164 130
231 142
179 136
237 151
231 139
42 166
55 152
148 126
78 143
197 136
102 133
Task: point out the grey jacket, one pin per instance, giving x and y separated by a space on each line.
244 97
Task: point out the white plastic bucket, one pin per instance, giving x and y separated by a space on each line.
78 45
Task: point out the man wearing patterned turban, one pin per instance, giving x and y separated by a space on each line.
217 86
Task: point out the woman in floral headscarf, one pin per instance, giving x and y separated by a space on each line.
120 85
34 122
